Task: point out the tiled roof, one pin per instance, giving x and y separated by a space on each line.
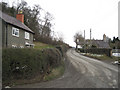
101 44
81 43
98 43
14 21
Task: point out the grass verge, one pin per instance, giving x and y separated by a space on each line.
55 73
102 57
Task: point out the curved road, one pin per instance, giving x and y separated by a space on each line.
82 72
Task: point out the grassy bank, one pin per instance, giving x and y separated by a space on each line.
39 45
100 57
55 73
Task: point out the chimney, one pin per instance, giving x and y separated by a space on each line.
20 17
90 33
84 34
104 38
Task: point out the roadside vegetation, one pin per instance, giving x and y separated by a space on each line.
39 45
101 57
25 64
42 63
55 72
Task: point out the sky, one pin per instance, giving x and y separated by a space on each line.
71 16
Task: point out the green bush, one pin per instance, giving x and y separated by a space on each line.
62 48
26 63
105 51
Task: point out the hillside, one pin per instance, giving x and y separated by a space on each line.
39 45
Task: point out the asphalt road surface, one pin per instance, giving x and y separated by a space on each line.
82 72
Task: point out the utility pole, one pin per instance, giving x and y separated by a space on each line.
90 36
84 42
84 35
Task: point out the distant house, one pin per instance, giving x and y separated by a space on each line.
14 32
96 43
101 43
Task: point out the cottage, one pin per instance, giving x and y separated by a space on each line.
96 43
14 32
101 43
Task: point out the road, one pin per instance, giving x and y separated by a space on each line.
82 72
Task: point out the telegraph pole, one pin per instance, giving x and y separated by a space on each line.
90 36
84 34
84 42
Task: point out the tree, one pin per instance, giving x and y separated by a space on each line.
78 38
115 43
21 5
8 10
46 29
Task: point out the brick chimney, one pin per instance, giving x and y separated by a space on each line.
20 17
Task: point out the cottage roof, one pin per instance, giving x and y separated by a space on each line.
101 44
98 43
13 21
80 43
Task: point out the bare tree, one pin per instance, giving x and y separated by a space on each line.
78 38
60 37
46 28
21 5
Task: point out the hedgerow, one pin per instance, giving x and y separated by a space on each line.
26 63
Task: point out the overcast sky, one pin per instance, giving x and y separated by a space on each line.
79 15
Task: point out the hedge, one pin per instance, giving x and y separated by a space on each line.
97 51
62 48
26 63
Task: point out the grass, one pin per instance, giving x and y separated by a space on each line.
102 57
56 72
39 45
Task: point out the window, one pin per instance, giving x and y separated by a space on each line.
27 35
15 32
21 46
14 46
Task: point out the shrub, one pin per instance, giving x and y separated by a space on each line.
62 49
105 51
26 63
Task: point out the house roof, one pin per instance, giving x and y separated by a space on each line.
80 43
14 21
101 43
98 43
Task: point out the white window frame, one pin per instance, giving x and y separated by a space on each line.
14 46
27 35
15 32
21 46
